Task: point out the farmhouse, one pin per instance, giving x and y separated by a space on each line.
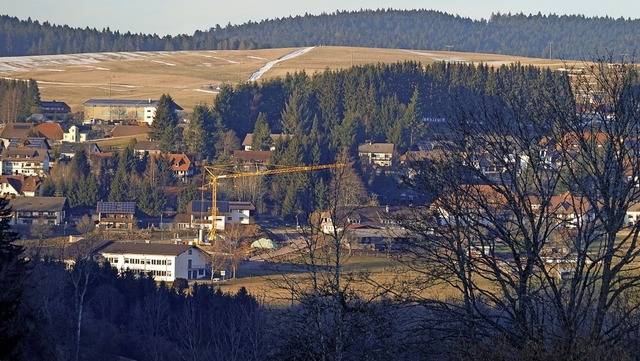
142 111
165 262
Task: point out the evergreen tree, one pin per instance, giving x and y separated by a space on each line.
165 125
261 134
12 282
296 116
200 130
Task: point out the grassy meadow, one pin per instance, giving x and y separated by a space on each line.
191 77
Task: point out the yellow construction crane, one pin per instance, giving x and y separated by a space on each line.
223 172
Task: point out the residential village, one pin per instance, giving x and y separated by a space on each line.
31 150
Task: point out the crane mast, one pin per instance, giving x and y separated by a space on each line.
222 172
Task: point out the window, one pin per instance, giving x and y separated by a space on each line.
190 253
168 262
189 264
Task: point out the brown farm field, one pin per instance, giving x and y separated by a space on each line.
191 77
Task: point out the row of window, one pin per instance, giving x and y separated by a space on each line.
153 273
155 262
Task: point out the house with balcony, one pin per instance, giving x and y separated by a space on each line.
228 212
116 215
181 166
165 262
29 210
24 161
377 154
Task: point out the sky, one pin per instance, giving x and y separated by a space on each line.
172 17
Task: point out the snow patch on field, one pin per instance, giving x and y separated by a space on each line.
227 60
436 57
163 62
12 64
257 75
256 57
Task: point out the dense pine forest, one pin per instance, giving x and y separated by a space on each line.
558 36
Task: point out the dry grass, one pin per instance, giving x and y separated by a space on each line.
187 76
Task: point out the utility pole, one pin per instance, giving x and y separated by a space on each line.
449 47
550 46
110 109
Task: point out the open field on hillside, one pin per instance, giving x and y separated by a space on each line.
191 77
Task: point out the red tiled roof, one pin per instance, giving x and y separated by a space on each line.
51 131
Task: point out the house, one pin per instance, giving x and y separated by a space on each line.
377 217
566 209
55 110
633 215
142 111
379 154
25 161
227 212
181 166
27 210
51 131
68 150
248 139
19 185
116 215
251 156
165 262
29 142
147 146
76 134
16 131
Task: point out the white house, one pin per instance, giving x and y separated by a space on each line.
200 214
25 161
380 154
165 262
75 134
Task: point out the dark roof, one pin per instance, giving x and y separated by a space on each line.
147 145
71 148
126 103
204 207
41 204
16 130
146 248
116 207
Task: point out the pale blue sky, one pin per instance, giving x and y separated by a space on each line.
185 16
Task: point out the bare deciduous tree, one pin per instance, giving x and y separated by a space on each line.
535 271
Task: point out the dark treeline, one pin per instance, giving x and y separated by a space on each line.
18 99
561 36
92 313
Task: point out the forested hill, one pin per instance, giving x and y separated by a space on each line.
567 36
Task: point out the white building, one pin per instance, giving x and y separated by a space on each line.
75 134
380 154
165 262
200 215
25 161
